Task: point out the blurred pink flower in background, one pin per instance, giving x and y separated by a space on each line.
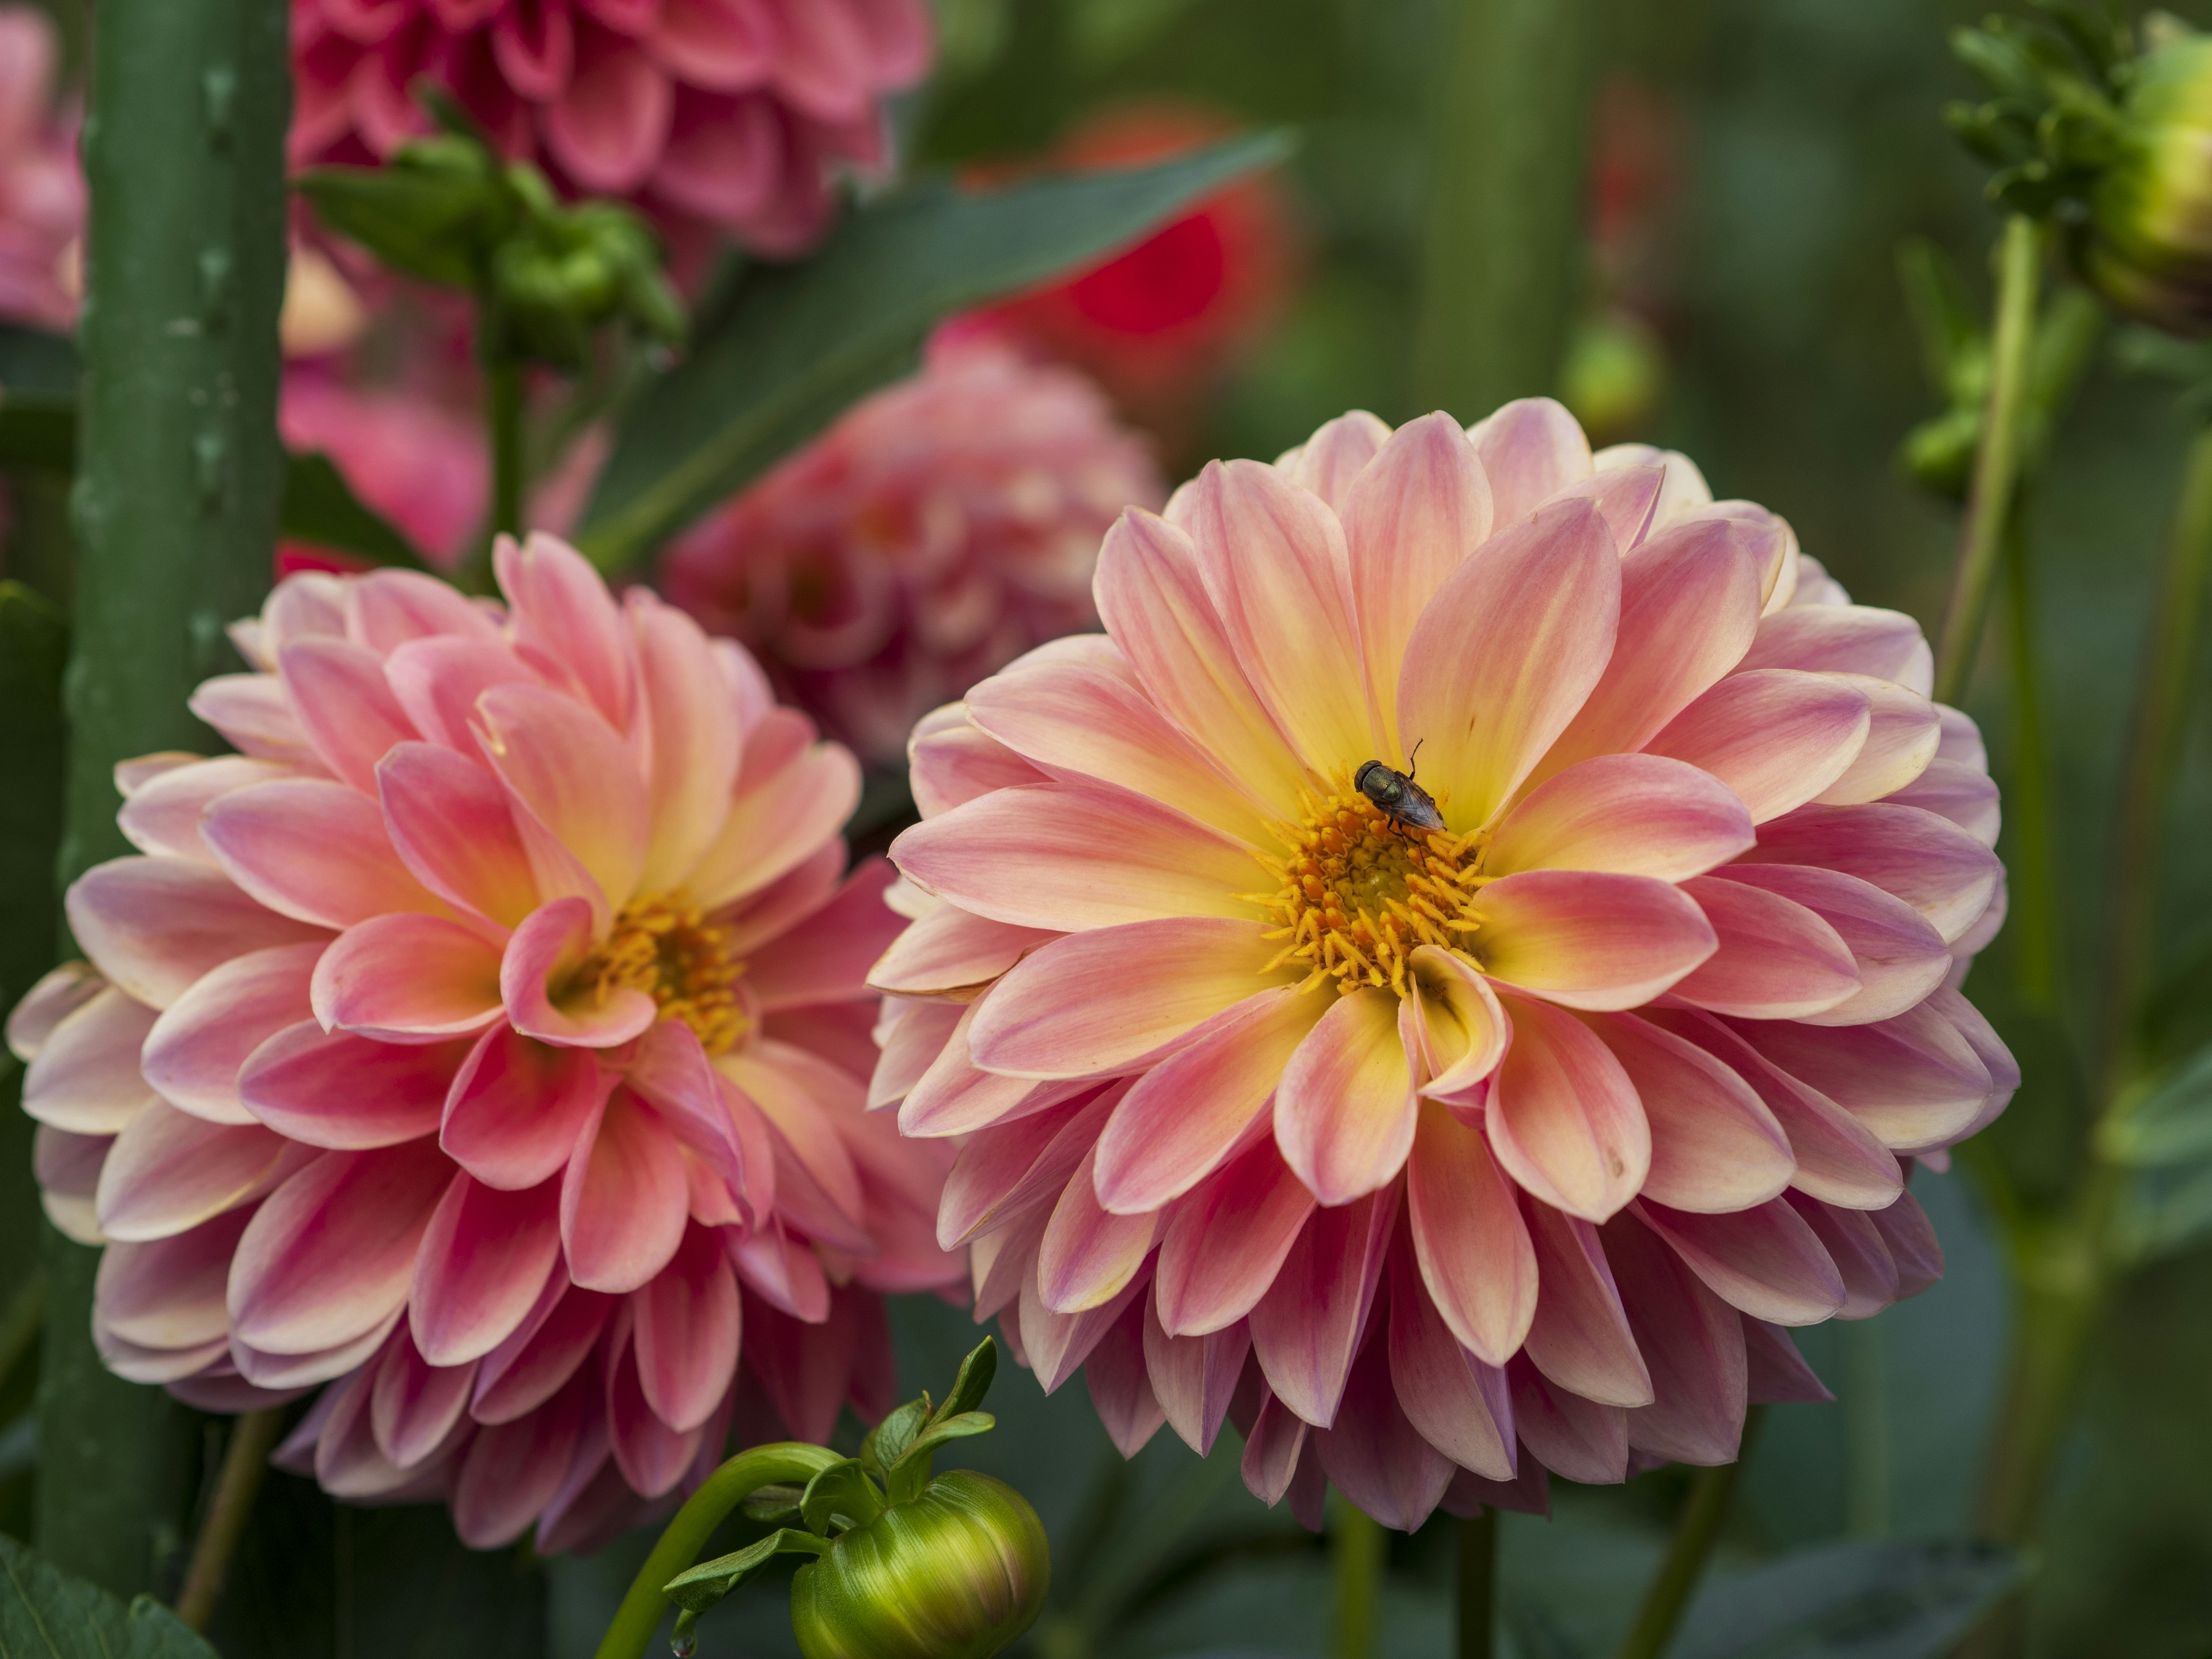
939 529
417 460
42 190
1439 1154
729 113
486 1039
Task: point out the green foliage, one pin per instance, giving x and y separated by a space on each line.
795 345
2050 126
45 1613
705 1585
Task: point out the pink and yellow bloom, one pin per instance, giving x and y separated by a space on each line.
1442 1158
941 528
487 1039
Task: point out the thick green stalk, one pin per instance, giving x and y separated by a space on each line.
1504 273
1474 1585
1996 464
1697 1529
1356 1548
786 1463
175 510
2029 809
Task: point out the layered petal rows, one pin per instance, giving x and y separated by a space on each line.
1440 1146
729 113
486 1040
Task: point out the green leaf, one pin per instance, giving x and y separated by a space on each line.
888 1441
941 1430
2167 1211
2172 1124
974 1382
706 1583
44 1613
776 1503
1869 1600
321 507
841 1494
798 343
428 224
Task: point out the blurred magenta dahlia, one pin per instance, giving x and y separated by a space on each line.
729 113
41 189
1466 1116
942 527
487 1039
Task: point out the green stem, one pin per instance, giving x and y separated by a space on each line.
1355 1550
786 1462
252 1437
1997 465
176 510
1504 274
2034 880
1697 1529
1475 1584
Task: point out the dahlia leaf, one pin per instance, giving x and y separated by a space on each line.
841 1495
797 344
706 1583
46 1613
974 1382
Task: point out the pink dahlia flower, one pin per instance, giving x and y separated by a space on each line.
41 191
1449 1131
938 530
729 113
487 1039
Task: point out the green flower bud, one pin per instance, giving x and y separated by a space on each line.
956 1573
2149 243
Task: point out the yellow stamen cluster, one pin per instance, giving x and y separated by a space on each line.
664 947
1359 893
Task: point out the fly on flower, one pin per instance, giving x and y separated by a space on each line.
1396 796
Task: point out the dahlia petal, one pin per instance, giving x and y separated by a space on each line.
67 1168
1571 1436
169 1171
802 1368
1149 592
450 825
573 784
549 949
1580 1338
1274 1449
954 1096
1845 639
1931 863
288 1370
953 763
1088 1254
1625 497
193 1052
1411 518
517 1109
1057 1344
482 1267
252 712
652 1456
763 918
1714 1144
622 1198
913 1036
543 1353
1227 1242
1374 1454
694 746
1078 722
338 691
828 959
799 1096
1331 461
1504 655
608 125
1912 1244
407 978
1896 952
1454 1028
412 1404
1774 547
84 1077
1184 1118
1913 1079
1345 1111
167 1293
1636 815
1530 449
1855 1244
1689 609
1776 737
686 1332
1528 1493
154 926
1776 959
725 157
1306 1329
436 683
327 1258
1469 1238
314 850
510 1472
782 1270
1563 1119
1121 1391
1965 794
950 950
1098 1001
1774 1369
1693 1344
1587 939
1004 1169
822 66
1193 1378
58 993
1459 1405
1764 1260
163 814
778 817
1902 738
669 1069
726 46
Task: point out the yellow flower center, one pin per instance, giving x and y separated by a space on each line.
1360 893
664 947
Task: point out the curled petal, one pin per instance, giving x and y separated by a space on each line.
407 978
542 984
1454 1029
516 1108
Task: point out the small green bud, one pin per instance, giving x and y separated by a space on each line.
956 1573
2148 249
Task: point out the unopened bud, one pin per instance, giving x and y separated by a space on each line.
2148 244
